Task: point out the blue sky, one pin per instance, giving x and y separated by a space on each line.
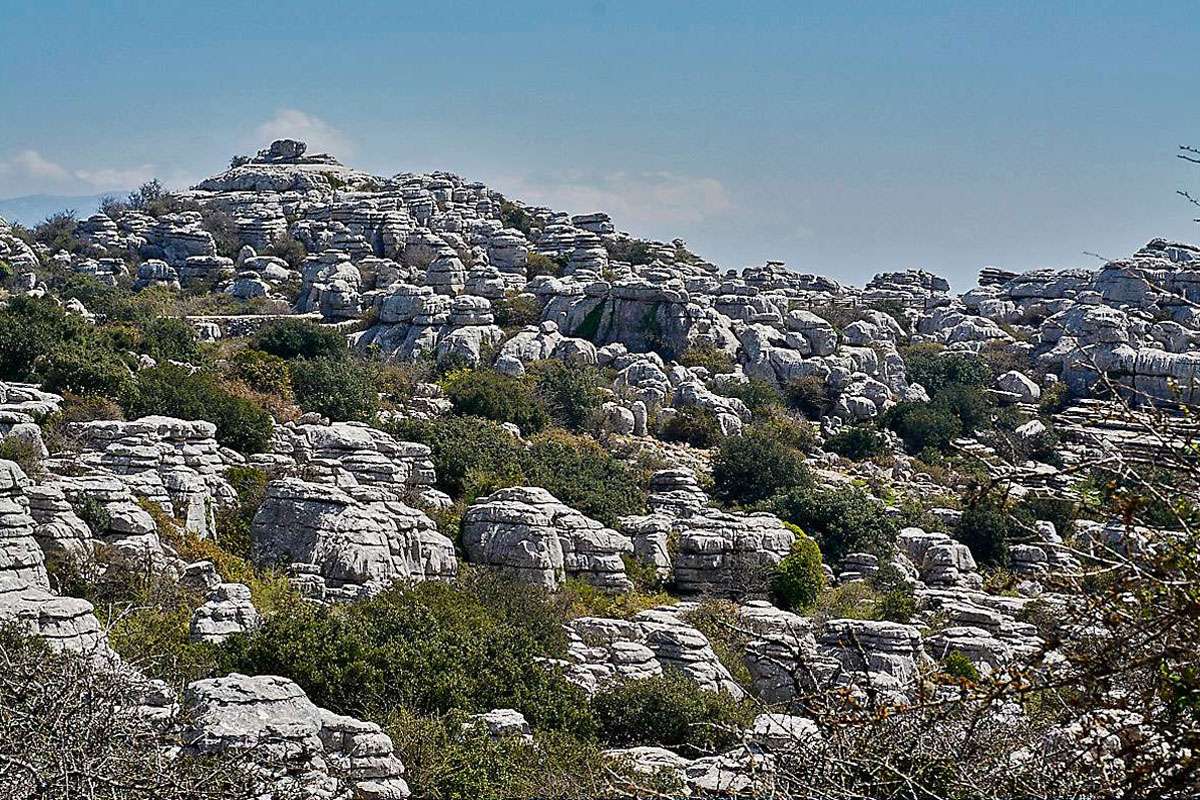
844 138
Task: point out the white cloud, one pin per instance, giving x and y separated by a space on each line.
633 199
29 172
291 123
33 164
110 178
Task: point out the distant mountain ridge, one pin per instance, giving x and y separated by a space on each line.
33 208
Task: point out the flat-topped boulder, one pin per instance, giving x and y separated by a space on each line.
526 532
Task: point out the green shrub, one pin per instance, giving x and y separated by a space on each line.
1055 397
809 396
712 358
569 392
669 711
757 394
224 231
931 366
694 425
897 602
341 389
755 466
923 426
264 372
434 647
584 475
22 452
718 620
85 368
857 442
986 528
513 216
799 578
957 665
842 520
466 452
176 392
233 522
502 398
57 231
32 327
540 264
299 338
516 310
171 338
787 429
289 249
445 762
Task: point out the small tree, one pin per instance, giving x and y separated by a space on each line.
799 578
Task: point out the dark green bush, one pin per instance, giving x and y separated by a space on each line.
809 396
85 368
299 338
516 310
264 373
669 711
987 528
176 392
569 392
57 231
540 264
289 249
923 426
445 762
171 338
758 395
694 425
434 647
233 522
31 327
857 442
755 466
842 520
712 358
584 475
502 398
339 388
799 578
929 365
474 456
470 455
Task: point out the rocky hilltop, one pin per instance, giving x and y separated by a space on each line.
327 474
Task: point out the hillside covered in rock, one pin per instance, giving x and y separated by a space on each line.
336 485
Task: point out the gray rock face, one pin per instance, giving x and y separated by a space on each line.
1019 384
503 723
528 533
21 560
884 653
680 647
782 657
338 545
350 454
726 553
176 463
227 611
64 623
300 746
601 651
